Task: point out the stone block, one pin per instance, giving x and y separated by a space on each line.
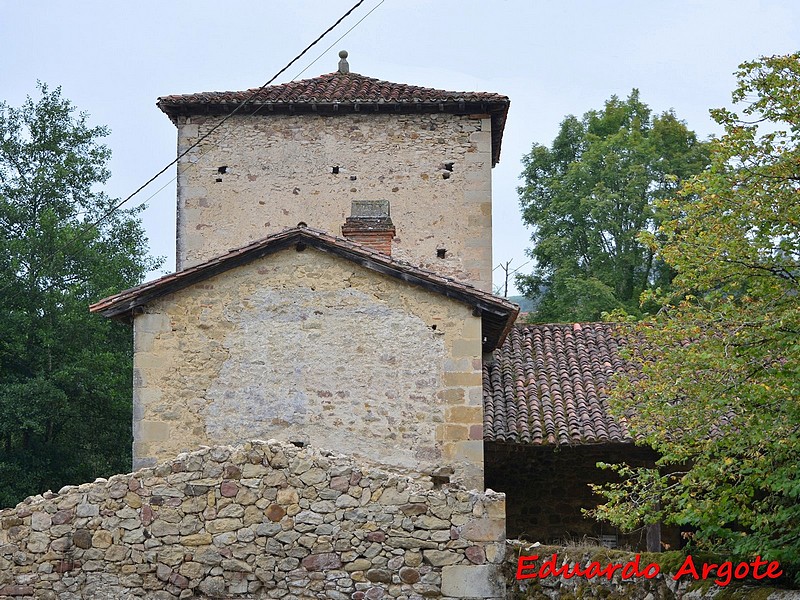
474 397
480 136
470 451
321 562
193 192
463 363
452 432
146 396
472 581
152 323
464 414
142 343
484 530
473 330
40 521
451 395
151 431
465 379
480 220
476 432
495 506
223 525
483 242
467 348
440 558
189 130
478 160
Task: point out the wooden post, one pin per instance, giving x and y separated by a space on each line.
654 537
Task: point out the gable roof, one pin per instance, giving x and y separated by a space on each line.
344 93
497 314
548 385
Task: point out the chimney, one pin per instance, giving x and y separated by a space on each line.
369 223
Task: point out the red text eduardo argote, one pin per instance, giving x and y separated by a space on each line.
529 567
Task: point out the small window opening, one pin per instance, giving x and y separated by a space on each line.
222 170
448 166
433 326
335 170
219 180
441 252
302 224
446 175
438 481
441 476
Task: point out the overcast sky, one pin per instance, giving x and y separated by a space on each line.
552 58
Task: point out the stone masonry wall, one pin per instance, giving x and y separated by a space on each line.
311 347
263 520
259 174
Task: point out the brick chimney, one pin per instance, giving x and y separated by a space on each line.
369 223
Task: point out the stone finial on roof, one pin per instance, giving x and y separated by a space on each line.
344 67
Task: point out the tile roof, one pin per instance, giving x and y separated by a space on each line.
547 385
343 93
497 314
334 87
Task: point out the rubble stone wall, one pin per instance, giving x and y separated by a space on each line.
262 520
311 347
257 175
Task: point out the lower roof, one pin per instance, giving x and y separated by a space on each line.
548 385
497 314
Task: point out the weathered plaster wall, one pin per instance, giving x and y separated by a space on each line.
264 520
278 172
307 346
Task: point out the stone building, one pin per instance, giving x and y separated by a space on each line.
332 288
370 343
302 151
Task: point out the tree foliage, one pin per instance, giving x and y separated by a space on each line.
720 392
587 198
65 375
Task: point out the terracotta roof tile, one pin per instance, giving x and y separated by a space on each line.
497 314
344 93
547 385
334 87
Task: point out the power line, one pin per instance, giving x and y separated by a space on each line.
339 39
105 216
258 108
241 105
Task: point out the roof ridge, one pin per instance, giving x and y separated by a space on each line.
336 75
498 313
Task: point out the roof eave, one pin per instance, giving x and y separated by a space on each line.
497 110
497 314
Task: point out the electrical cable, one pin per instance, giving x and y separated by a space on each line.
258 108
94 224
241 105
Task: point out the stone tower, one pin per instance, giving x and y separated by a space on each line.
302 152
274 326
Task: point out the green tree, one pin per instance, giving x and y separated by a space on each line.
587 198
719 395
65 375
